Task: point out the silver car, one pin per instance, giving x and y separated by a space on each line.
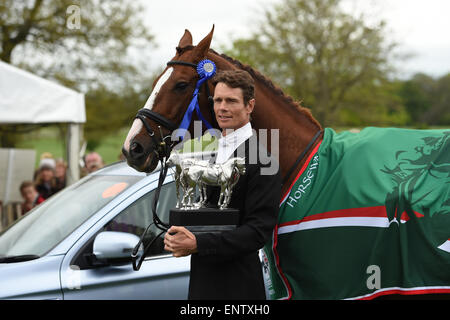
72 246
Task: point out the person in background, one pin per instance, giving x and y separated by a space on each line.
60 174
30 196
44 155
45 179
93 161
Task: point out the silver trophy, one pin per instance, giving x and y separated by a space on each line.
192 172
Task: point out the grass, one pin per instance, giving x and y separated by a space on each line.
49 139
111 147
44 140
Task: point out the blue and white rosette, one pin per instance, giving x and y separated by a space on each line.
205 69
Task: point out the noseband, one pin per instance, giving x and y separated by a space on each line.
162 148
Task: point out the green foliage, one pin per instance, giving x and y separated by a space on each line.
85 56
327 58
339 67
415 98
363 101
426 99
107 111
94 58
47 140
439 111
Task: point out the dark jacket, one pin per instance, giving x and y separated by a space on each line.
45 189
227 265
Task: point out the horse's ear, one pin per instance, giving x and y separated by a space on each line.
203 46
186 39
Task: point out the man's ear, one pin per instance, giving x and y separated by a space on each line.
250 105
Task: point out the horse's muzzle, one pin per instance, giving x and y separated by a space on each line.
139 157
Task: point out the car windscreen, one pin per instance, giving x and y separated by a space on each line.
49 223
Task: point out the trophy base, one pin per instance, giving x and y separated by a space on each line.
205 219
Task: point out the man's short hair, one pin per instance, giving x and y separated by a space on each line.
237 79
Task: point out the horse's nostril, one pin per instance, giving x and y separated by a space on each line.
136 149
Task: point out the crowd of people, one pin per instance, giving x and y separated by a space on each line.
50 177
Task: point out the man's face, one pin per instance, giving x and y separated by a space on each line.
93 166
231 112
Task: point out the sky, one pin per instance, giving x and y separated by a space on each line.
421 27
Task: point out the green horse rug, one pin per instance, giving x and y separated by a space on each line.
367 215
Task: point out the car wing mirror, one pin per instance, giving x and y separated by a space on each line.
114 247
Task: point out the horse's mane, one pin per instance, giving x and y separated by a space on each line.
264 80
270 85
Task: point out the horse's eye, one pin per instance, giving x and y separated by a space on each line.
181 85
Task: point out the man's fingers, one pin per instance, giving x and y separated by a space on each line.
168 242
177 240
183 230
167 246
172 229
180 253
175 229
189 234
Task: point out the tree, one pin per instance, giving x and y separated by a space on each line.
427 99
92 46
45 37
105 120
439 112
334 62
416 94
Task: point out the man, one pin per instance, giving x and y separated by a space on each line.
93 162
226 265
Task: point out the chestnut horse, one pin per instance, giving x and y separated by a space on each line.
294 256
173 91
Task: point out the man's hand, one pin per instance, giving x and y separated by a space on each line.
180 241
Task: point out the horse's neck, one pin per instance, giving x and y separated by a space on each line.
274 110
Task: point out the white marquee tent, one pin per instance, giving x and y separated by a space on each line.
26 98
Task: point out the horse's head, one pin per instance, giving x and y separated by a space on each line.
239 165
149 138
174 159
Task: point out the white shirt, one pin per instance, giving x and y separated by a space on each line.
229 143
